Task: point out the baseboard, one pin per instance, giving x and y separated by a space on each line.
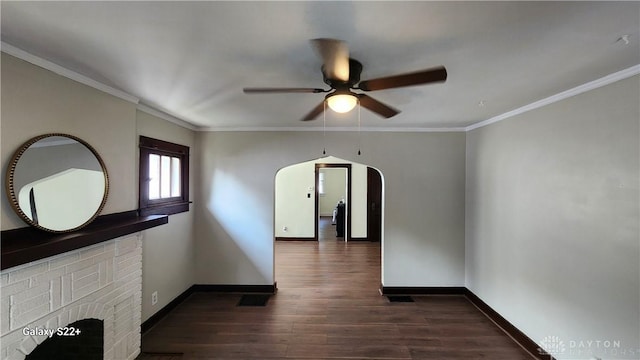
155 318
523 340
531 346
359 239
238 289
242 289
422 290
295 239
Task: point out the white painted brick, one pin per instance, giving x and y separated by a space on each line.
124 274
102 270
109 339
98 311
47 276
27 294
64 260
84 291
110 270
108 312
86 271
29 271
106 256
130 277
73 314
88 314
135 354
79 265
56 294
53 323
91 251
39 338
15 288
5 319
14 337
125 245
89 274
124 310
27 345
124 261
13 351
29 304
131 342
137 298
129 264
20 320
63 318
82 312
110 246
66 289
91 279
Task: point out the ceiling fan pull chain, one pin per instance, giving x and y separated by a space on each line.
324 127
359 133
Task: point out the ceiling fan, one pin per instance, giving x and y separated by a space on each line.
342 74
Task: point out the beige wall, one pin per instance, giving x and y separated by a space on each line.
293 209
552 209
36 101
424 198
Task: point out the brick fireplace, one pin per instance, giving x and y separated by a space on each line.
101 281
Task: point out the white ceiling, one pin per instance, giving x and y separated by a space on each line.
192 59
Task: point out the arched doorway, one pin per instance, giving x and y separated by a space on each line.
296 203
343 219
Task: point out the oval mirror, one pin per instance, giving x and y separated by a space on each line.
57 182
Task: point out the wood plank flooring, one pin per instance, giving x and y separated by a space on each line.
328 307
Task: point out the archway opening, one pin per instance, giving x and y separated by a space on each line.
299 215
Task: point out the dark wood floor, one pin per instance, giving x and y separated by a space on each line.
328 307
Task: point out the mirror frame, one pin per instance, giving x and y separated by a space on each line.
9 185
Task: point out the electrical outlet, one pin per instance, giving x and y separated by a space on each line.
284 228
154 298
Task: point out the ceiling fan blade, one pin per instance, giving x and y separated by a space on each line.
437 74
335 57
282 90
315 112
376 106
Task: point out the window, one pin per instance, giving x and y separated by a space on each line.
164 177
321 183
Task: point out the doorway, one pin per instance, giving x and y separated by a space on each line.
320 188
296 214
374 205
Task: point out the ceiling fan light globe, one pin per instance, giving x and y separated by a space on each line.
342 103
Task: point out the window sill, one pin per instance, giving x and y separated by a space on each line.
165 209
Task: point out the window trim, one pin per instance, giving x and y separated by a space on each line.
166 206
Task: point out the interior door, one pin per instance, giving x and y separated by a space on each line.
374 204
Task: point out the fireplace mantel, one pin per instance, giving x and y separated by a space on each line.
21 246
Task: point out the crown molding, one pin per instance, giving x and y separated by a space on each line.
592 85
46 64
170 118
62 71
329 129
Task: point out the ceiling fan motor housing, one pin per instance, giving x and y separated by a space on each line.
355 69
